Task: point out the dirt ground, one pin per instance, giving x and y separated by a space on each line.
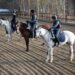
14 60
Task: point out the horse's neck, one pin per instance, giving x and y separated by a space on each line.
45 34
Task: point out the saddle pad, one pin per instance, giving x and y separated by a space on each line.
61 37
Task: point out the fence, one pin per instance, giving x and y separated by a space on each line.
69 18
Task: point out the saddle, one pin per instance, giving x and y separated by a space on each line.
60 38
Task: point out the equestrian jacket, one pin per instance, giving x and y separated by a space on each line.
33 19
56 24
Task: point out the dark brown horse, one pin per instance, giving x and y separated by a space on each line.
26 33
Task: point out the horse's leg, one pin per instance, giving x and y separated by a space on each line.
48 55
9 37
27 43
20 36
71 52
51 53
6 35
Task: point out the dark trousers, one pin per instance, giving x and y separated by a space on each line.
56 34
13 26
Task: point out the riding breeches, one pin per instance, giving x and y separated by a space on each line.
56 33
33 27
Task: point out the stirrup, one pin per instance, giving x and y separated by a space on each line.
54 45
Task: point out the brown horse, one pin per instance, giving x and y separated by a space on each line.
26 33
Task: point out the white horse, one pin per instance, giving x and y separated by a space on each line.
7 25
47 37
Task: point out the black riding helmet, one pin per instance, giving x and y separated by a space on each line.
32 11
54 17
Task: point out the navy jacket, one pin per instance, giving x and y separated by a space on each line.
56 25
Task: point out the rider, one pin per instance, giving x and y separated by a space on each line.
13 22
32 22
56 29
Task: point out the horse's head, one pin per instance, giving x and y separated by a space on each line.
39 31
4 22
42 30
1 20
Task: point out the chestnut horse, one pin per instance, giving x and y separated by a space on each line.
26 33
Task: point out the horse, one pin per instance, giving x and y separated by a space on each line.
47 37
26 33
8 28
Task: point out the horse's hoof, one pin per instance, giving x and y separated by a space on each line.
42 44
27 50
8 41
71 60
51 61
47 61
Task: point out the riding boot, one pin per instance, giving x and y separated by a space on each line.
54 40
57 42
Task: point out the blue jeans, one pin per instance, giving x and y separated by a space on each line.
33 29
56 33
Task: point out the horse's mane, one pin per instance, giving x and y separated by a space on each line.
3 18
47 26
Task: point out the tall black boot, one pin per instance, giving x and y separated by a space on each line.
54 40
57 41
